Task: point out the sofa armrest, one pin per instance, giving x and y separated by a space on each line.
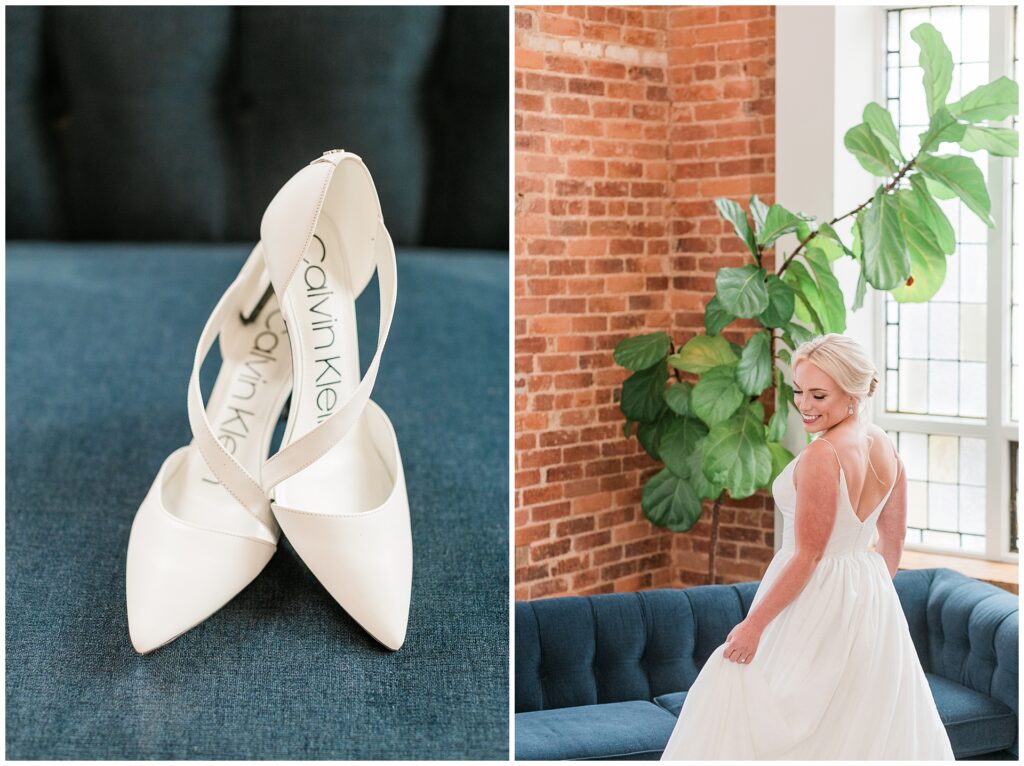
973 632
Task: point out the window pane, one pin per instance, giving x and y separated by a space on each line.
973 337
972 390
946 492
942 458
975 35
943 330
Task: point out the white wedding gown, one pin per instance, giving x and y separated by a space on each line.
835 675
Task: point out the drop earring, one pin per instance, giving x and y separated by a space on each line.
849 410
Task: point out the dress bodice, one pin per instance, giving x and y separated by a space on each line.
849 534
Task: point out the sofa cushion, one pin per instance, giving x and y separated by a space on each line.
315 78
673 702
33 203
100 341
617 730
618 647
467 109
975 722
143 142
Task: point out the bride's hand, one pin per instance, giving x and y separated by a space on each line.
741 643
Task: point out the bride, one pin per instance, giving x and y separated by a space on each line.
823 666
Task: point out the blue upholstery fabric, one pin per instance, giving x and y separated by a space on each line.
673 703
616 731
610 648
180 123
975 722
576 655
31 176
467 109
309 80
142 145
100 341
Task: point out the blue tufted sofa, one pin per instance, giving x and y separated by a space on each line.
604 677
143 145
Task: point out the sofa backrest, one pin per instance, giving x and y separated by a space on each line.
180 123
617 647
964 630
637 646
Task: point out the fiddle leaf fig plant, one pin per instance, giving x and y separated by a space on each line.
709 431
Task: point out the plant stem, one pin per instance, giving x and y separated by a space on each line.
888 188
671 351
715 517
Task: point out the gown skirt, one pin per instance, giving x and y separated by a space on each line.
835 675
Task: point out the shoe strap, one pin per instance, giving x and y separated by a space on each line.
306 449
228 471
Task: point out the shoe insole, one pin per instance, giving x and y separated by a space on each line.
320 309
243 409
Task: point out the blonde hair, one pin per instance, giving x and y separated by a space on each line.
843 360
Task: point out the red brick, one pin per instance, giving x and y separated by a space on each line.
616 233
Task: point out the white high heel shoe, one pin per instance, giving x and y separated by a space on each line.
205 529
337 481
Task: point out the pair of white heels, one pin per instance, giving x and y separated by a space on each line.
212 518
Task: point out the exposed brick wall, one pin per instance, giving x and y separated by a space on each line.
629 121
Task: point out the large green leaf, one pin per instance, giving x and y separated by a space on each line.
1001 142
677 397
938 191
717 394
943 126
736 454
742 291
678 441
759 212
830 235
777 221
781 457
860 291
995 101
642 351
833 308
754 370
777 423
800 335
669 501
862 142
927 261
649 434
964 177
886 264
701 353
716 318
935 216
780 303
809 301
880 121
937 63
642 394
704 487
733 212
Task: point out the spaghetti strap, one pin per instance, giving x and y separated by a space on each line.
823 439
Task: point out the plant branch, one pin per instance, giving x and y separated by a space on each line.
671 352
888 188
715 518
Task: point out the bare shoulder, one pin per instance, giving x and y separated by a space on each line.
817 459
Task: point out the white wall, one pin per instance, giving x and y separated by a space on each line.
829 64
